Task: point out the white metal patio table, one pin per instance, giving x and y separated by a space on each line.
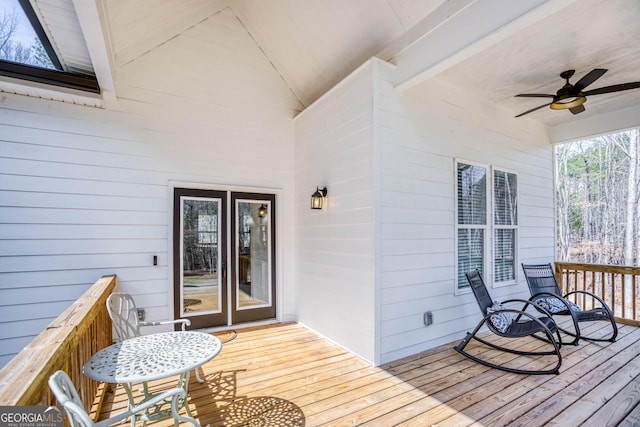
152 357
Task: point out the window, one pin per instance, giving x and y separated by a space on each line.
207 229
475 226
505 220
26 52
472 219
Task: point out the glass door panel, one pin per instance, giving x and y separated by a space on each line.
199 254
253 279
200 258
253 275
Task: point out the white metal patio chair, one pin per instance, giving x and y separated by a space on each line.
67 396
124 316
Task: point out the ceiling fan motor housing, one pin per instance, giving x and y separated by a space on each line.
565 98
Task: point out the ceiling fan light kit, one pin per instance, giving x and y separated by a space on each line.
565 104
571 97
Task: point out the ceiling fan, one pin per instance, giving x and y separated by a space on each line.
571 97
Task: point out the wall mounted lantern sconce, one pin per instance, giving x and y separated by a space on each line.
318 197
262 211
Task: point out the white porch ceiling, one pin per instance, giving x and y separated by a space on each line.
314 44
585 34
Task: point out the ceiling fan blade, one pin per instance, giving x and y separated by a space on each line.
613 88
533 109
535 95
589 78
577 110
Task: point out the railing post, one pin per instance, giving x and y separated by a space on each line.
560 278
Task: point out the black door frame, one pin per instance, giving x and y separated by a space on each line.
261 313
211 319
226 246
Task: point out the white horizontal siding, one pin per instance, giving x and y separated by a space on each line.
334 260
85 192
421 134
60 19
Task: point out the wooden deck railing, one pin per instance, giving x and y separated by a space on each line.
67 343
616 285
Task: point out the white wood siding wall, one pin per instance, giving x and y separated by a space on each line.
85 192
365 277
334 263
421 132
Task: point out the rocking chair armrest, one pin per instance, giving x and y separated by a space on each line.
563 300
175 394
549 294
600 300
523 313
515 300
529 302
185 323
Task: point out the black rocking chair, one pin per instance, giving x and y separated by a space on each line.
546 292
499 320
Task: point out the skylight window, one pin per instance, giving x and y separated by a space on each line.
27 54
19 41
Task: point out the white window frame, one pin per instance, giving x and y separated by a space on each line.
490 227
495 227
486 227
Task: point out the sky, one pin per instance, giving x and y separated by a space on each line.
25 34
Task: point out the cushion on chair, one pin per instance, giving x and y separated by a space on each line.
555 305
500 321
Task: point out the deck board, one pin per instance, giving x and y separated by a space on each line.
284 374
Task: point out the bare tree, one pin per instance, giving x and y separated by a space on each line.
15 51
562 200
8 27
632 199
597 197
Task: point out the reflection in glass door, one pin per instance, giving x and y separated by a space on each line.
253 277
199 257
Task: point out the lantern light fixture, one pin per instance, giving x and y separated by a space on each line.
317 197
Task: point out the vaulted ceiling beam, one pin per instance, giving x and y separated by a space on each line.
466 28
90 15
175 26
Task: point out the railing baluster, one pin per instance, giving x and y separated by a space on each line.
634 301
635 298
594 290
584 288
613 293
622 278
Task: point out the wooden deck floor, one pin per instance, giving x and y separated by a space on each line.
285 375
